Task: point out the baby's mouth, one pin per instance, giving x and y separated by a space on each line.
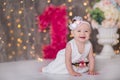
82 37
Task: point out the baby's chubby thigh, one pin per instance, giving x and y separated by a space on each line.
57 65
60 62
60 58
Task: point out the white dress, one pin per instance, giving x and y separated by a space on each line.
58 65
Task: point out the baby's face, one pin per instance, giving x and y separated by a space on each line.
82 33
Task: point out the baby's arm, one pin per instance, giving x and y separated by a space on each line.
91 62
68 62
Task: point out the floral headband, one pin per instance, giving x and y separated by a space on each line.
77 21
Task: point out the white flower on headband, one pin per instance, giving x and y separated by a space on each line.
72 26
77 21
77 18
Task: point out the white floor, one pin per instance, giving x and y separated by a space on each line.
108 69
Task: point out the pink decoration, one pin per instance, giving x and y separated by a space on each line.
55 18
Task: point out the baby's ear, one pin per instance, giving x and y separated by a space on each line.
72 33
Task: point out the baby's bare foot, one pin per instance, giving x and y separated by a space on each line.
40 70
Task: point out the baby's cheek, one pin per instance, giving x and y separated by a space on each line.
87 38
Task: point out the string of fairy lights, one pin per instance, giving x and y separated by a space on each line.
85 4
17 34
22 37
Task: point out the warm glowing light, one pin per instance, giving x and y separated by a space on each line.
44 31
117 51
21 34
3 9
27 41
4 3
8 17
29 34
31 52
13 52
0 38
48 1
31 8
33 38
17 20
85 4
12 38
21 2
39 59
18 44
117 41
33 47
24 47
20 12
3 42
70 13
70 8
19 40
86 10
11 31
85 17
64 4
9 24
19 25
11 10
10 57
44 38
9 44
69 0
32 29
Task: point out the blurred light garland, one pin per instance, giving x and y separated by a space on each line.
22 37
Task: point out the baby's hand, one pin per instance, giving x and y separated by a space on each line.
40 70
92 73
75 74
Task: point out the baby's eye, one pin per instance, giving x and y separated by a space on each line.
86 31
78 31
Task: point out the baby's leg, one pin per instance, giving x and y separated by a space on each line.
40 70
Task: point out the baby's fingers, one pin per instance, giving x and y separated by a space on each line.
79 75
76 74
92 73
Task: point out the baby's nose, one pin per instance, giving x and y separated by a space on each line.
82 32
